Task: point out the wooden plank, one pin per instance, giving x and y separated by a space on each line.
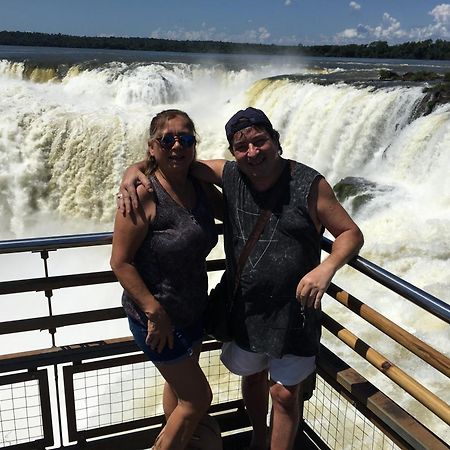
74 280
62 320
412 343
50 283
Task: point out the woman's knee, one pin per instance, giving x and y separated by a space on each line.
199 404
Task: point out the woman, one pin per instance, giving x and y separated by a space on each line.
158 255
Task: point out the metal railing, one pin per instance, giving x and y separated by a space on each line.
397 426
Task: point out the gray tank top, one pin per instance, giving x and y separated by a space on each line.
172 258
266 314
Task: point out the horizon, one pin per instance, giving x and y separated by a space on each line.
278 22
200 40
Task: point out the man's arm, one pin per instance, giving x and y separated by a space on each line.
127 198
209 171
327 211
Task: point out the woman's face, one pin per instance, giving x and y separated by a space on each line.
174 146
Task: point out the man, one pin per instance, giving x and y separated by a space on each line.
276 312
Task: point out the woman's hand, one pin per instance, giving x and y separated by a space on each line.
159 330
127 198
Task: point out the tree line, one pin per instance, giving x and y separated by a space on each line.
428 49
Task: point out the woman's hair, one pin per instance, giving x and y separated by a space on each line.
156 126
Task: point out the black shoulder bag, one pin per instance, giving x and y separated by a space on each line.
220 302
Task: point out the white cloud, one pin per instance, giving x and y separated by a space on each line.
441 13
204 34
258 35
355 6
349 33
390 29
288 2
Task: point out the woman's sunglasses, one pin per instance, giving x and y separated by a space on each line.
168 140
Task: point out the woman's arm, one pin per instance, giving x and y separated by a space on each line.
129 233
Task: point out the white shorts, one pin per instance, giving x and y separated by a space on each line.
287 371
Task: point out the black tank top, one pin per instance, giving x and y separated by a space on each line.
172 258
266 313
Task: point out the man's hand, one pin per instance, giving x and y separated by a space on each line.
313 285
127 199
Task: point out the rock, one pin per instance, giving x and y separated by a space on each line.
388 75
435 96
207 435
358 190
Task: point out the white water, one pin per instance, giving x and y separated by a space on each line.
64 145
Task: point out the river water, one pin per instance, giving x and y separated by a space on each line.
72 119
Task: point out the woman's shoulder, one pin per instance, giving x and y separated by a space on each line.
147 201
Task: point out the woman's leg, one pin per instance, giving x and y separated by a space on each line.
170 400
188 382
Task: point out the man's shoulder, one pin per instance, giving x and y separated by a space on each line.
298 166
230 165
302 173
230 171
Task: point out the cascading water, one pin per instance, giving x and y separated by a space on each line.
67 134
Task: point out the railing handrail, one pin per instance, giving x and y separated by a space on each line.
423 299
426 301
55 242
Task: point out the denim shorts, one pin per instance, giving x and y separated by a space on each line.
184 340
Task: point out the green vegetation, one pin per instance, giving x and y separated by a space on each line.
428 49
419 76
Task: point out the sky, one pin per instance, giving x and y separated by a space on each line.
284 22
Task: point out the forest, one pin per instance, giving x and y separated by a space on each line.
428 49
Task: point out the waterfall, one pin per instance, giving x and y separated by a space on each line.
68 131
64 142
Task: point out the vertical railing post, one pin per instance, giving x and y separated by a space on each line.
305 392
52 331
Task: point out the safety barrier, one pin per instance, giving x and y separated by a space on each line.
102 394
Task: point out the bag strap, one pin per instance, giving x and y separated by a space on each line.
263 217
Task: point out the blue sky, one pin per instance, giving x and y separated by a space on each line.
287 22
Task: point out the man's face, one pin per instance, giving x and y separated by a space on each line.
256 152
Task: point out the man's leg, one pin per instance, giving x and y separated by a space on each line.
287 377
286 415
252 367
255 392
